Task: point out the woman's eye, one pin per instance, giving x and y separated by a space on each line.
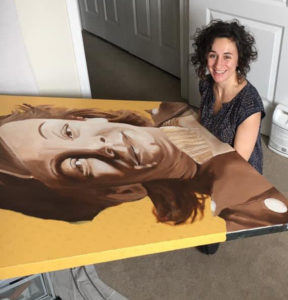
227 57
68 131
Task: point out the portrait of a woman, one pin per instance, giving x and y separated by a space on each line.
71 164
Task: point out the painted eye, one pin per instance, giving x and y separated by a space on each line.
68 131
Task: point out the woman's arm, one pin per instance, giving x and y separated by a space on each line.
246 135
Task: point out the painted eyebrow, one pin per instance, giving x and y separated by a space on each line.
41 131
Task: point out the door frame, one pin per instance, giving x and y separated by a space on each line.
184 47
78 46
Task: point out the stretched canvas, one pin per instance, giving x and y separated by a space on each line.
88 181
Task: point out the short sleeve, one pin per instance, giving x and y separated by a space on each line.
249 104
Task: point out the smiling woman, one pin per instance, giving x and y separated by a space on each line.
231 107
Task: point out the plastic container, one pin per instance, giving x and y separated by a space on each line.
278 141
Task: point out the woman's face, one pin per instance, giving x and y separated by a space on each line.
67 152
222 60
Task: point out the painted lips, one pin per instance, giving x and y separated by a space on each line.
133 152
136 156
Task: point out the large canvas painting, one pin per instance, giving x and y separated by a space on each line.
87 181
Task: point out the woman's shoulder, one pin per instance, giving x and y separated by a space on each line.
249 101
250 94
252 89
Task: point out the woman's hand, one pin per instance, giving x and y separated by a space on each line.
246 135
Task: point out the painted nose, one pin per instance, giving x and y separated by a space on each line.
103 147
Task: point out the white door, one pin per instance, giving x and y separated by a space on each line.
105 19
268 21
148 29
155 36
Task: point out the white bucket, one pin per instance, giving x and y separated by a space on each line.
278 141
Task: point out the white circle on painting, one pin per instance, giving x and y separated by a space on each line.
155 111
275 205
213 206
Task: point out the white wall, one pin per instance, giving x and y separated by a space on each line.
16 76
40 54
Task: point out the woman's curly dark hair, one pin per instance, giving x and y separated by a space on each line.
205 36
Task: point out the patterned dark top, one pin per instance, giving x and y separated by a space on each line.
225 123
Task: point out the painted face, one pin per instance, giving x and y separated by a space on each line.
64 153
222 60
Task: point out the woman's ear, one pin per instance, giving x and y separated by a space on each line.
126 193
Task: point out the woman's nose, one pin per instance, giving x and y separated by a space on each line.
218 62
